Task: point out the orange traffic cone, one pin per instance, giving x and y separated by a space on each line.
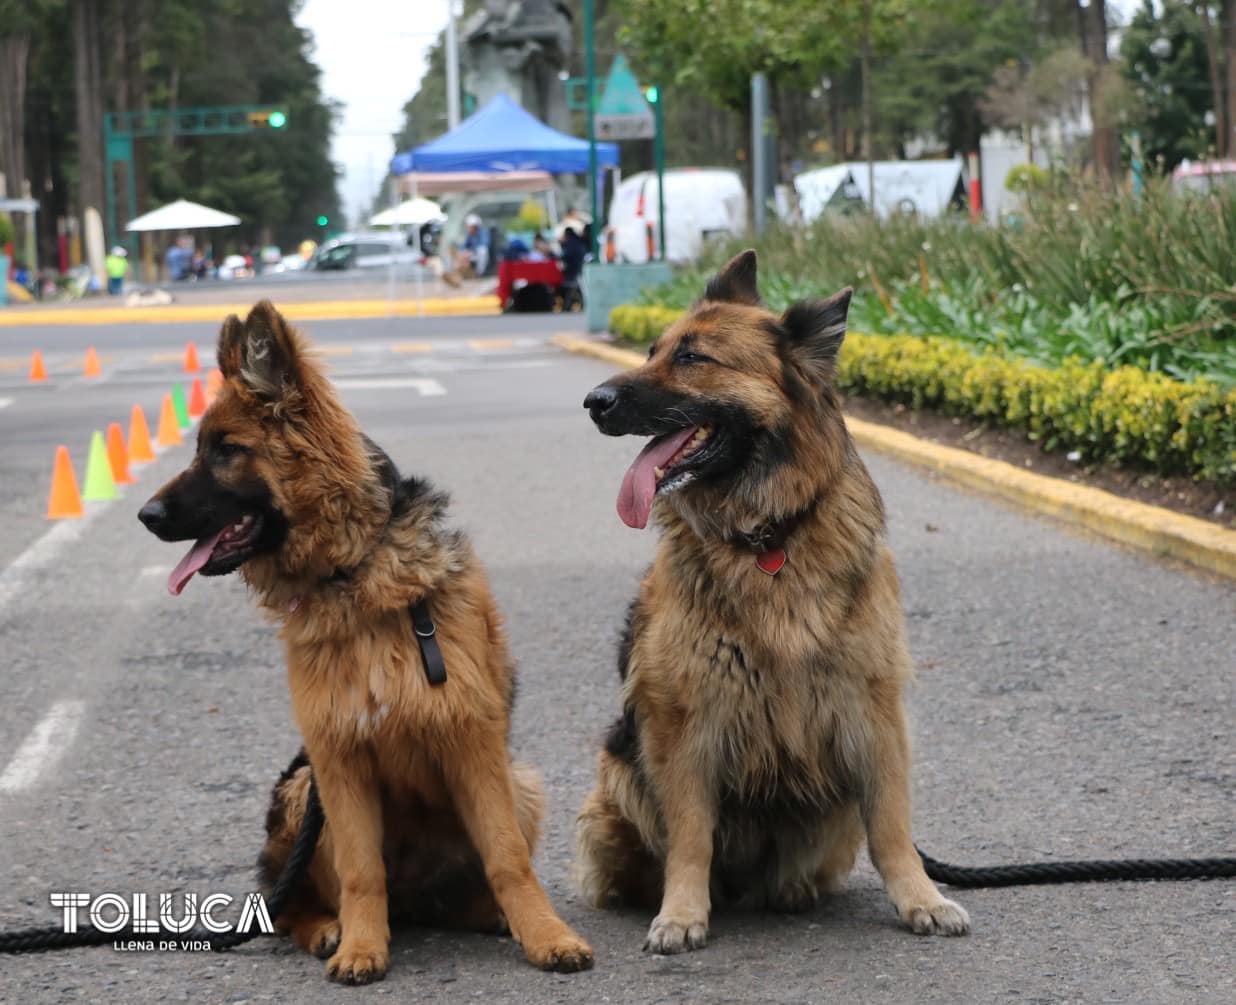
214 381
38 371
118 455
191 363
92 363
197 399
169 426
140 450
65 501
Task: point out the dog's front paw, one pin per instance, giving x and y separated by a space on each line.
942 918
566 953
324 939
358 964
676 935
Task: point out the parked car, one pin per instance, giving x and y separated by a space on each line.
378 250
1204 176
700 203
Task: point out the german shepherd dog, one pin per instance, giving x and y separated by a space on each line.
426 817
763 734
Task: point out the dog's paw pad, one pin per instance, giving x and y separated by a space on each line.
357 966
667 936
944 918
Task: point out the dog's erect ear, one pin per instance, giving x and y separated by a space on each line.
735 283
268 352
231 346
815 329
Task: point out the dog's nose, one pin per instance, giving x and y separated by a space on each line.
153 514
600 401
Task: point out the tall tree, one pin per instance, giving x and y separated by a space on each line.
88 88
1094 47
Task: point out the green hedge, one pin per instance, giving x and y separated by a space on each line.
1124 415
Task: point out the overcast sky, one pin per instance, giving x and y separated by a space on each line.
372 55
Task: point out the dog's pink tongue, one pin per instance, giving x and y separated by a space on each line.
198 556
639 485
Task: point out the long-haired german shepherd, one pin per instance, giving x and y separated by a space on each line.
424 809
763 734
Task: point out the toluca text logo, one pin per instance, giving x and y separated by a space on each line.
129 918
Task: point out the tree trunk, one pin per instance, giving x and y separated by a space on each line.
1228 22
1094 47
1214 63
14 55
89 87
868 126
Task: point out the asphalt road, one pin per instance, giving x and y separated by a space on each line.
1074 700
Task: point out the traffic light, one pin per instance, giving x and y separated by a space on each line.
651 94
267 119
323 221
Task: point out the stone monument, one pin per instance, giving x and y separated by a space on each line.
519 48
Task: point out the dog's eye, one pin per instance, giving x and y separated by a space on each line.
226 448
687 357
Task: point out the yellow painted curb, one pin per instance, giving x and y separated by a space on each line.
1150 528
324 310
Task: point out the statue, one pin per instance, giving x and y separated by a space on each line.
519 48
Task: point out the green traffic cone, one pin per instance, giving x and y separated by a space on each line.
99 481
182 407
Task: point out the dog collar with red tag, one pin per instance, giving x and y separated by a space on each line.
770 562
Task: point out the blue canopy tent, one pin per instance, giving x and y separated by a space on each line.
500 137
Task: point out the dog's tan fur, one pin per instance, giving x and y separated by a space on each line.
764 734
426 817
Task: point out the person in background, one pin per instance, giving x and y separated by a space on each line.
574 252
541 251
117 266
177 263
472 257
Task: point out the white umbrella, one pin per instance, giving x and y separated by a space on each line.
409 213
183 215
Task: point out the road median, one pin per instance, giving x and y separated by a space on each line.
1149 528
322 310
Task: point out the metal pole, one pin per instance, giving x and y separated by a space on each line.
659 143
452 67
759 151
590 70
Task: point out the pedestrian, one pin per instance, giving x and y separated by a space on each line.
117 265
574 253
472 257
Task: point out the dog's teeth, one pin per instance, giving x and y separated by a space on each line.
659 472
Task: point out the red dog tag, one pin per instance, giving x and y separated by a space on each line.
771 561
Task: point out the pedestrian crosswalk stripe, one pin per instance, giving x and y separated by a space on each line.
481 344
426 387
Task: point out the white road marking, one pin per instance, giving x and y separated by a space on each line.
426 387
46 742
43 552
5 402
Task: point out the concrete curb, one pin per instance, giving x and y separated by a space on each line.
324 310
1149 528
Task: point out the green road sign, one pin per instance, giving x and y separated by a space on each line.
623 112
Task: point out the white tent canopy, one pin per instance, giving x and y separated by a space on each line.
409 213
927 188
182 215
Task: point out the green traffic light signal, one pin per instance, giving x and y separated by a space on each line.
651 94
323 221
277 120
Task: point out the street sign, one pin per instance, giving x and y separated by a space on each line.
623 113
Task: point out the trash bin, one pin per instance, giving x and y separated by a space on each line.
610 285
4 280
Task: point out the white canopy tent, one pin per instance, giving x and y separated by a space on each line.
412 212
182 215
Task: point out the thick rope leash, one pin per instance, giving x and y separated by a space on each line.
1097 871
33 940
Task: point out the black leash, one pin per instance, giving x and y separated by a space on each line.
34 940
427 638
1097 871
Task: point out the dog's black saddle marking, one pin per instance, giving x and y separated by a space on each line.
427 639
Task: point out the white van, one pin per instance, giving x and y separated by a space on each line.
700 203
